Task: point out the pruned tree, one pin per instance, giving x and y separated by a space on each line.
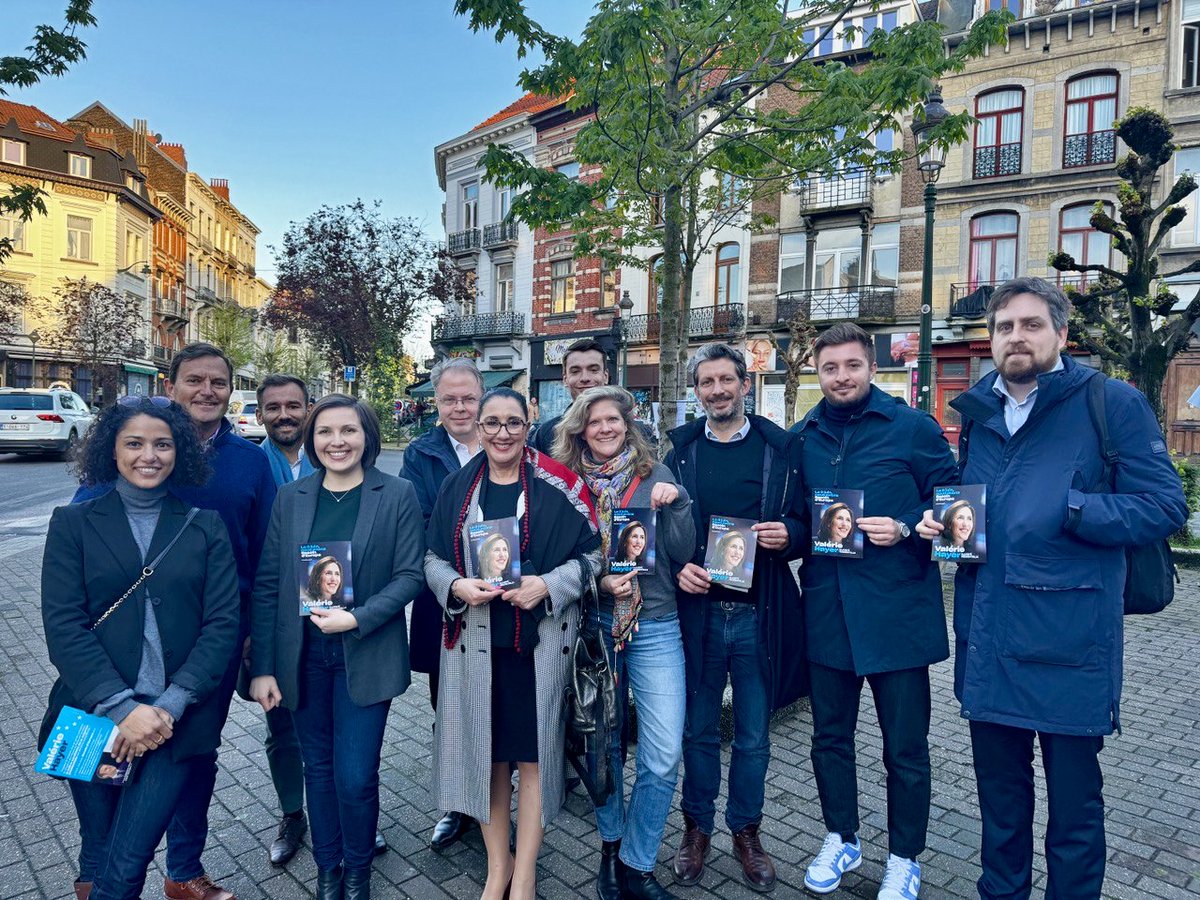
13 298
1126 314
230 328
686 130
272 352
795 357
95 325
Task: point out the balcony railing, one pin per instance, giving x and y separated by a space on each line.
206 296
501 324
499 234
460 243
993 160
163 354
707 321
862 303
171 308
849 189
1089 149
969 300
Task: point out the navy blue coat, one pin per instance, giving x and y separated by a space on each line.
892 597
1038 628
780 617
427 462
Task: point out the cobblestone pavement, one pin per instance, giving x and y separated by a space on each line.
1152 775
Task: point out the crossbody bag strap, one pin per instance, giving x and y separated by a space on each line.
633 486
147 571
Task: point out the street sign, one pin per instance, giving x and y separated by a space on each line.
350 373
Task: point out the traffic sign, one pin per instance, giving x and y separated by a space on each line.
350 373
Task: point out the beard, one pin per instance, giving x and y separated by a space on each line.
735 410
277 437
1025 369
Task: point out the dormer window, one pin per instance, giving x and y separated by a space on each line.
133 183
79 165
12 152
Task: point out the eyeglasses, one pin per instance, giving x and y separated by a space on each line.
135 400
451 402
491 427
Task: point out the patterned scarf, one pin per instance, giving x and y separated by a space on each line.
608 482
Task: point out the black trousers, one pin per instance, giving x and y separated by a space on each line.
903 708
1075 847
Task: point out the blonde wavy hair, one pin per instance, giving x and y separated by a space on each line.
569 442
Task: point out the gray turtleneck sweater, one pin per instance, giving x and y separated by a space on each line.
142 507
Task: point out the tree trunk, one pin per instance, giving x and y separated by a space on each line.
789 400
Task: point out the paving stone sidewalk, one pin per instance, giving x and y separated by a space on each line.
1152 777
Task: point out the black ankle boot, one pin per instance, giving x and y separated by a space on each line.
357 884
608 879
329 884
637 885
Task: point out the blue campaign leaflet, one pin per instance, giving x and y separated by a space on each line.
80 747
323 572
631 547
835 515
495 551
962 510
729 554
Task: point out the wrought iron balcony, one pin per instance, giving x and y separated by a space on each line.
206 296
499 234
460 243
1089 149
850 189
707 321
501 324
859 303
993 160
163 354
170 308
969 300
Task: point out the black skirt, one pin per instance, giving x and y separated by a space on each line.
514 707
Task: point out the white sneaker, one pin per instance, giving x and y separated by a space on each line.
836 858
901 881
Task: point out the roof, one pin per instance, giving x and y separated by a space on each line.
32 120
490 380
529 104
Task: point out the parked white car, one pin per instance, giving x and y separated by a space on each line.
241 415
33 420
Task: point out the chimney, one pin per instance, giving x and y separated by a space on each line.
175 152
139 142
104 137
220 186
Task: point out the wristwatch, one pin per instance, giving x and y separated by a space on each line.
905 531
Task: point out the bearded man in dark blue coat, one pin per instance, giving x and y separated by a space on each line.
880 618
1038 628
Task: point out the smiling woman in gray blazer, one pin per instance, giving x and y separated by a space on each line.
338 669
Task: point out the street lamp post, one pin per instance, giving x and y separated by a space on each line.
626 306
34 337
931 158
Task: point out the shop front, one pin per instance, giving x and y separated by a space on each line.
545 370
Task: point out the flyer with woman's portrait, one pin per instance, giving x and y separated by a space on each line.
632 545
323 573
729 554
495 552
80 746
835 514
962 510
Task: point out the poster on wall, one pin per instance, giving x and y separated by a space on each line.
760 355
772 405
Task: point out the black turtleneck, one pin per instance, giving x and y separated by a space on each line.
836 417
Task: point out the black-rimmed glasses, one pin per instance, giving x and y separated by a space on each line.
491 427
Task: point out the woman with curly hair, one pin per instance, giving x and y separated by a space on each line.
152 661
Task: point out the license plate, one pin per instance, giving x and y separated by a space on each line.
9 426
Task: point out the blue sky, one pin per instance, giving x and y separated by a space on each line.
299 103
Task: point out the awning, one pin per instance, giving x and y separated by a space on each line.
502 378
140 370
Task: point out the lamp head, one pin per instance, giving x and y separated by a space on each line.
931 155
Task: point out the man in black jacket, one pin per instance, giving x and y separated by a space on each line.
744 466
585 365
880 617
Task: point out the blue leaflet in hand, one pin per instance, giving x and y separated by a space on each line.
495 555
324 574
962 510
631 546
80 747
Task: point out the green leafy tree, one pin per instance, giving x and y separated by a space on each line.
272 352
700 106
230 328
95 325
1126 314
389 379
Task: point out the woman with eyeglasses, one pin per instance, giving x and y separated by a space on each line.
150 662
339 668
504 648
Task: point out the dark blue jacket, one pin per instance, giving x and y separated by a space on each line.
892 597
1038 628
427 462
241 490
780 618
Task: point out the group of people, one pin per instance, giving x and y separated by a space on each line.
1037 627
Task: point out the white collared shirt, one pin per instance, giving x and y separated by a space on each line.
738 435
1016 413
296 465
461 450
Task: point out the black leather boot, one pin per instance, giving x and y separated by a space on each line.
329 884
357 884
608 879
638 885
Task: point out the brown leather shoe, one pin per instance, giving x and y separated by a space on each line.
202 888
82 890
758 872
689 859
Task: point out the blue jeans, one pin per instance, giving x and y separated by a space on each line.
341 744
652 665
731 646
119 828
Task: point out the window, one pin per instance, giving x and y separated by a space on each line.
80 165
132 182
1014 6
12 228
1077 237
1187 232
793 257
998 133
1091 111
729 191
79 238
12 152
729 274
562 286
470 205
839 252
504 287
993 248
570 169
1191 43
608 286
889 22
503 203
885 255
133 252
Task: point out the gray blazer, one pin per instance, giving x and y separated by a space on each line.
389 551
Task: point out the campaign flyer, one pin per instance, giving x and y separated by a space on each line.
962 510
631 548
323 573
729 554
495 551
80 747
835 513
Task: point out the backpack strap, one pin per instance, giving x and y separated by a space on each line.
1099 415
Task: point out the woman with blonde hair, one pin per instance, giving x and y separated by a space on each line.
599 438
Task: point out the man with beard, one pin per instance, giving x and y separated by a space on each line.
879 618
1038 627
734 464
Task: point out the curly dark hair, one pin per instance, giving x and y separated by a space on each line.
94 463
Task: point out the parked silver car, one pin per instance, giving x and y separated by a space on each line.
33 420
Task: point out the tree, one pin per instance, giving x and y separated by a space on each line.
795 357
389 379
230 328
686 113
13 298
1127 316
272 352
96 325
353 282
49 55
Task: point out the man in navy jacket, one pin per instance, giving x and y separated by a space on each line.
1038 627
